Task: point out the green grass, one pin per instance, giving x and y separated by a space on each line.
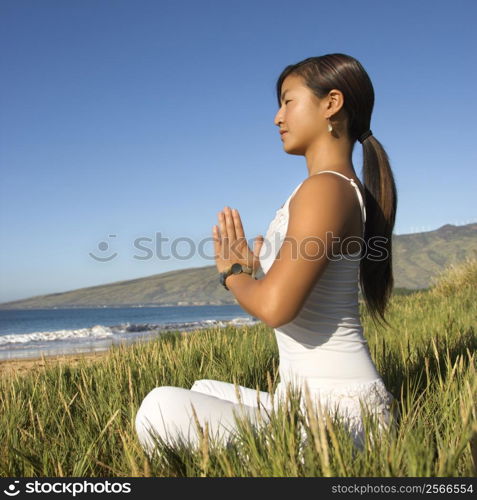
79 420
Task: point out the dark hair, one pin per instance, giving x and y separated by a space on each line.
342 72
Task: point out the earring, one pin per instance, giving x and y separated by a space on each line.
330 128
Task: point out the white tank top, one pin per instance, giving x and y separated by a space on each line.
324 344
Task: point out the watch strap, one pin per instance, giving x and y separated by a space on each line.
225 274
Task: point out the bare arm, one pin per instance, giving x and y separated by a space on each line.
320 210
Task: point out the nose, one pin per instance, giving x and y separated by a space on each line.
278 118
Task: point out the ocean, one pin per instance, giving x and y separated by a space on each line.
31 333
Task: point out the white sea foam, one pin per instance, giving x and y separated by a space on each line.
98 332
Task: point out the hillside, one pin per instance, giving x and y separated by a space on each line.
417 258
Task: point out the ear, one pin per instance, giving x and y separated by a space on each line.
335 100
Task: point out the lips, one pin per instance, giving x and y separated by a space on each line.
283 132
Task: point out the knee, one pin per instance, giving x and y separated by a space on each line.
149 415
154 401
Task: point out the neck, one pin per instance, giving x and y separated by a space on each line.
330 153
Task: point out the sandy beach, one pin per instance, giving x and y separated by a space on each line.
27 365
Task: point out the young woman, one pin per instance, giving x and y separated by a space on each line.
331 234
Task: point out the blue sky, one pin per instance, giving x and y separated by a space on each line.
131 119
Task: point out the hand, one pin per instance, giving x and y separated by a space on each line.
231 245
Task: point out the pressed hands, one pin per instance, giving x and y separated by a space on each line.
230 244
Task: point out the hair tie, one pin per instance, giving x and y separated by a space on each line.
364 136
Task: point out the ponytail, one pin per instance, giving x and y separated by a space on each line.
376 273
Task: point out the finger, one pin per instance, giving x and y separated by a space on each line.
259 240
239 232
223 228
215 237
229 223
258 245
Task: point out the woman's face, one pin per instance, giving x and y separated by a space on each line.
301 115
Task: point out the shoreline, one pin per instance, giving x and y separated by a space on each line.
3 307
35 361
22 366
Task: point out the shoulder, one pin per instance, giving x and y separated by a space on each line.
324 194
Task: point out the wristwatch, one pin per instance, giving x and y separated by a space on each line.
234 269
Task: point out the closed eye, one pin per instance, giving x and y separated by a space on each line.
284 102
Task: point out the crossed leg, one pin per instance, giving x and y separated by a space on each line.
167 412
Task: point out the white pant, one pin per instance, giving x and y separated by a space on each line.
166 411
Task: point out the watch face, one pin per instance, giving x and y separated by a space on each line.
236 268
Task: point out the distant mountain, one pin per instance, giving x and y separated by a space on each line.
419 256
416 258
